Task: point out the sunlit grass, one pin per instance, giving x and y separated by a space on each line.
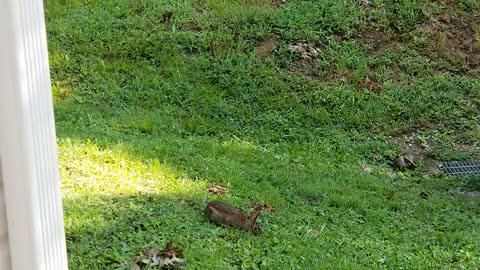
88 170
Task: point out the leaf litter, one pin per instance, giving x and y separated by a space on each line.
306 51
171 257
217 189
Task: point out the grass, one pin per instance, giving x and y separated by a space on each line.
150 110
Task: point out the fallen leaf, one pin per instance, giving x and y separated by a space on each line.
369 84
167 258
218 189
367 169
306 51
365 3
265 207
277 2
171 255
268 208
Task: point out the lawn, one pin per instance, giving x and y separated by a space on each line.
301 105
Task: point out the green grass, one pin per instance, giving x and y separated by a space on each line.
150 111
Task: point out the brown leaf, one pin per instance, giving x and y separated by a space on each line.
374 87
365 3
367 169
369 84
267 208
306 51
359 85
218 189
277 2
171 256
170 250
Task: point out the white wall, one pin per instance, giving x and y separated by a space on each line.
32 205
4 247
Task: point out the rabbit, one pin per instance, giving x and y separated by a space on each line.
223 214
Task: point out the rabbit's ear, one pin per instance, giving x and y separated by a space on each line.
253 217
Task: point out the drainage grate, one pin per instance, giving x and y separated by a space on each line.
462 167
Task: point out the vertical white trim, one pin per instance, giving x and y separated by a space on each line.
5 262
27 141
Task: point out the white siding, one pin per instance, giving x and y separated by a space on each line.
30 202
4 248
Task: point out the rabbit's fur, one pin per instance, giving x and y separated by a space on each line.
223 214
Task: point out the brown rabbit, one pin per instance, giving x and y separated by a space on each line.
223 214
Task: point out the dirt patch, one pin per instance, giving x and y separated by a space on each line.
305 69
428 146
266 46
190 26
452 38
377 42
409 144
455 39
472 194
370 84
276 3
307 54
331 75
272 3
306 51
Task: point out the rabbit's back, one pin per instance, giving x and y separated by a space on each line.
224 214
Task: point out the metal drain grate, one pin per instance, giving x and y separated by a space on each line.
462 167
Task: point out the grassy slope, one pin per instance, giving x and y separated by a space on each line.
149 111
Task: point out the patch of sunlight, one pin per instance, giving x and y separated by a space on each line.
87 169
60 91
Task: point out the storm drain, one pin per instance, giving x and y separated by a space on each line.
462 167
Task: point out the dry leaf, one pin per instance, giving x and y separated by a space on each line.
218 189
306 51
365 3
369 84
169 257
277 2
367 169
266 207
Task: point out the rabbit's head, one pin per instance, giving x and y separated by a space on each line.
252 220
256 229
